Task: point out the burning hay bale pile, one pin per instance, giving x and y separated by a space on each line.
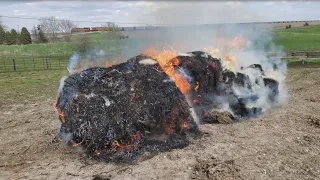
212 87
120 112
143 105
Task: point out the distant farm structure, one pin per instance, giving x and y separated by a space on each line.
94 29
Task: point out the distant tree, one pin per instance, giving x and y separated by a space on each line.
25 37
83 44
14 36
42 37
8 38
111 26
65 28
51 27
2 35
2 25
35 35
134 28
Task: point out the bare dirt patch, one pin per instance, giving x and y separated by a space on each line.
283 144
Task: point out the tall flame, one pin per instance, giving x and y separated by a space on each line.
167 61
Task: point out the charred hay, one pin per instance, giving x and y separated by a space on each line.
208 80
120 112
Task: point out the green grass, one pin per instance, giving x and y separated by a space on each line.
29 87
37 49
297 63
299 38
107 41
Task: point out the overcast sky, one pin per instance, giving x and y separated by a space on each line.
155 12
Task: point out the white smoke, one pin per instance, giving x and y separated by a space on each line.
216 38
187 37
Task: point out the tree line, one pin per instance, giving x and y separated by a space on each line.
13 37
49 29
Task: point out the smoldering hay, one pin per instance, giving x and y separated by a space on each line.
148 105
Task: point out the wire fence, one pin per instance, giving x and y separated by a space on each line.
32 63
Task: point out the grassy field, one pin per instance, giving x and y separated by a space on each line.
299 38
37 49
296 38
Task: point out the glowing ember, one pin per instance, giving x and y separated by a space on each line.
98 153
61 116
108 64
197 86
116 143
184 126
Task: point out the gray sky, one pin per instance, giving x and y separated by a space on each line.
156 12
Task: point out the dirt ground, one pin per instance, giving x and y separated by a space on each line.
283 144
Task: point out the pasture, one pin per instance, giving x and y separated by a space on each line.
295 38
299 38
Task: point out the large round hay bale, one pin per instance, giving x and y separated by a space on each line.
120 112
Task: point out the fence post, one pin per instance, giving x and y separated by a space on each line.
4 62
14 65
43 64
47 65
24 63
34 65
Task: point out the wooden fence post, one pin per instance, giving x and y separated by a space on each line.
14 65
47 65
24 63
43 64
34 65
4 62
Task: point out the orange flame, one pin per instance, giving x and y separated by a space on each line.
119 146
61 115
98 153
76 144
239 42
167 61
230 58
184 126
197 86
170 130
108 64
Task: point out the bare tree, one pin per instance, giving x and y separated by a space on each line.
111 26
83 44
65 28
35 35
51 26
114 31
